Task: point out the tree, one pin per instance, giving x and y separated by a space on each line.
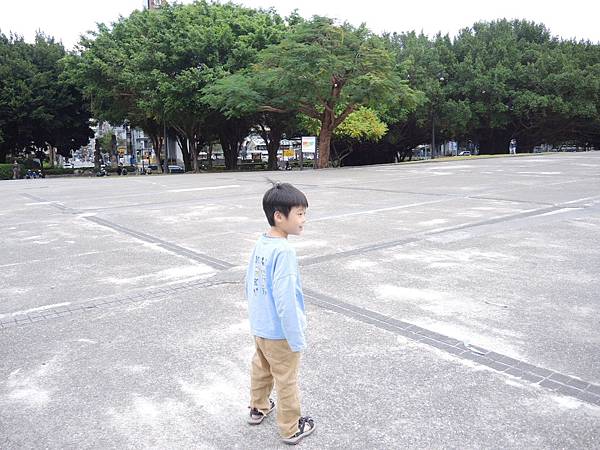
496 81
242 95
435 117
326 72
108 143
504 71
361 126
150 67
39 107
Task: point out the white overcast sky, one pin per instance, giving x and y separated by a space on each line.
67 19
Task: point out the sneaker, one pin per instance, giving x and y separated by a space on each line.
306 426
257 417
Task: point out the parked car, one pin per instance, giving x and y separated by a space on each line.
464 153
173 168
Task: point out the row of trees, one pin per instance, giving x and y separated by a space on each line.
500 81
39 106
210 72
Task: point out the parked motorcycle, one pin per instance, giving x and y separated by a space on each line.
102 172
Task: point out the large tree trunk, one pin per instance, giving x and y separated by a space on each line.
231 147
231 137
52 155
194 154
184 143
272 148
272 138
97 155
157 143
209 154
327 126
230 151
324 144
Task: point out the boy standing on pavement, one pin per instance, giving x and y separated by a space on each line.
277 315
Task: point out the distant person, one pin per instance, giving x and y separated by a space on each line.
277 315
16 170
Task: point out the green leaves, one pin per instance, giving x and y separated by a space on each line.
38 104
362 125
210 69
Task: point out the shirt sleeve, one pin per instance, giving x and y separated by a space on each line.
285 280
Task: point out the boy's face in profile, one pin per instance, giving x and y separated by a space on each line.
293 223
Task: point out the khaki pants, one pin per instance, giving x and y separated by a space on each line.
274 361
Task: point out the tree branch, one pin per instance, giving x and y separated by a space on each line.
267 108
310 111
349 109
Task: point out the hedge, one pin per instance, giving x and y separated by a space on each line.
6 171
59 171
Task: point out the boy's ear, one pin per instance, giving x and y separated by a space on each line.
277 216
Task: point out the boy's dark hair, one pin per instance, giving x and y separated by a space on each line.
282 197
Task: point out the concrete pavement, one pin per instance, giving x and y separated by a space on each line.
451 305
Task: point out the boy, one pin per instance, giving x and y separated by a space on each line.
277 315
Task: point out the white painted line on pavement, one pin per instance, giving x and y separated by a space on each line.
581 200
41 308
370 211
40 203
540 173
469 224
207 188
558 211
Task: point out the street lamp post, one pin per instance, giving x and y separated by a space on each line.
166 148
433 135
441 80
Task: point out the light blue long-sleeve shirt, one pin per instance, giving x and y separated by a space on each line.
274 293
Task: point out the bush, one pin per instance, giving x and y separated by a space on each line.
6 172
28 164
254 165
129 169
59 171
307 163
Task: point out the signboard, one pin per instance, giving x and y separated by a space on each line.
309 144
121 149
289 153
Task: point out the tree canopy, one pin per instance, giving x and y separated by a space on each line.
327 71
39 107
207 72
150 68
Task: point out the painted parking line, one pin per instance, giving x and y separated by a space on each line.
206 188
378 210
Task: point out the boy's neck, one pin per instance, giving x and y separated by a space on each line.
277 232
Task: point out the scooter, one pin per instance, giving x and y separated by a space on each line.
102 172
